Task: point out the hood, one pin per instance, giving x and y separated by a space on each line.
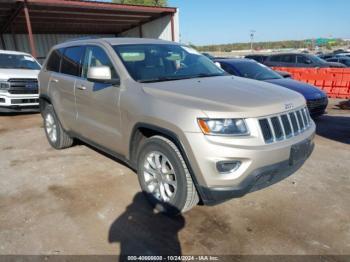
226 96
308 91
335 64
6 74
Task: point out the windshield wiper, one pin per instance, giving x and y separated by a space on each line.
160 79
163 79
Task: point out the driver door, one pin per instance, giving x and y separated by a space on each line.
98 111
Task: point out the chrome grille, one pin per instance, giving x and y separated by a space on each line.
284 126
23 86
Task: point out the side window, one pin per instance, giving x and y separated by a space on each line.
96 56
275 58
71 61
228 69
53 64
289 59
303 60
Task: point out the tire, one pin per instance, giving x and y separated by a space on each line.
169 189
55 134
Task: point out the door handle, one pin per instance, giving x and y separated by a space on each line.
54 80
81 87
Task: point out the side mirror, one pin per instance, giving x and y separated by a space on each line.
101 74
218 65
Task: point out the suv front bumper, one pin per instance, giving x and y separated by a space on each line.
261 165
258 179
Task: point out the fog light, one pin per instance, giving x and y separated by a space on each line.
227 166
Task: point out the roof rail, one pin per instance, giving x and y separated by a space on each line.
82 38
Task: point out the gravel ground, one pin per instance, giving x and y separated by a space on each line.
78 201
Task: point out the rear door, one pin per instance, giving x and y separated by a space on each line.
65 82
63 67
98 112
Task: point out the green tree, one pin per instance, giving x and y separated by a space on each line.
142 2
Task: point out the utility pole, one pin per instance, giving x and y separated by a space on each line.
252 32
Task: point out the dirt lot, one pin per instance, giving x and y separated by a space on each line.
78 201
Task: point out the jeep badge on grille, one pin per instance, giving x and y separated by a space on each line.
288 106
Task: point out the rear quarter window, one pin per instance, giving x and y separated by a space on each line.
54 61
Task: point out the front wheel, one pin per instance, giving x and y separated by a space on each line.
164 176
57 137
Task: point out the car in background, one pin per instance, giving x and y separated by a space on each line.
343 54
18 82
211 57
299 60
340 59
326 56
316 99
258 58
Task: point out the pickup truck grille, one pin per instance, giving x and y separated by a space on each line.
285 126
20 86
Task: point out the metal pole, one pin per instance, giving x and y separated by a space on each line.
29 28
172 28
140 31
3 42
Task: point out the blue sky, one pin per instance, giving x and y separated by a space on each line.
230 21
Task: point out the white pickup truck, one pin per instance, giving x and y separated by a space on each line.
18 82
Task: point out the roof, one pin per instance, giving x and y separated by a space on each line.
13 53
115 41
76 16
235 60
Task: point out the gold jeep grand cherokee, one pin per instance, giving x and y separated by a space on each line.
192 132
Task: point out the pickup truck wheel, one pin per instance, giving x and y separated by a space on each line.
164 177
55 134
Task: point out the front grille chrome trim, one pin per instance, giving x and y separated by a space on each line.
284 126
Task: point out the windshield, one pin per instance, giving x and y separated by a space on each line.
256 71
9 61
165 62
318 60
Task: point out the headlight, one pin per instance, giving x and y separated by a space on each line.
4 85
233 127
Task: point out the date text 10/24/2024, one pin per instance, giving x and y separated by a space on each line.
173 258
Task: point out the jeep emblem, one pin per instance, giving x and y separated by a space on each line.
288 106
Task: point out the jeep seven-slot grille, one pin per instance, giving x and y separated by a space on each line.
284 126
23 86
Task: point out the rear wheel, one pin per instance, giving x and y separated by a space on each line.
57 137
164 176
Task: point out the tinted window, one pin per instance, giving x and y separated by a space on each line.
71 61
288 59
345 62
276 58
228 69
256 71
53 64
304 60
96 56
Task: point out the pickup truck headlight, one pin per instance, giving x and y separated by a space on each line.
4 86
225 127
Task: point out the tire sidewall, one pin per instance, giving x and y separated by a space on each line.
178 202
49 110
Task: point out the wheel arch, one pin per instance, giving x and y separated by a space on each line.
142 131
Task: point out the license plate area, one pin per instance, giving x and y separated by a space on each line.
299 152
